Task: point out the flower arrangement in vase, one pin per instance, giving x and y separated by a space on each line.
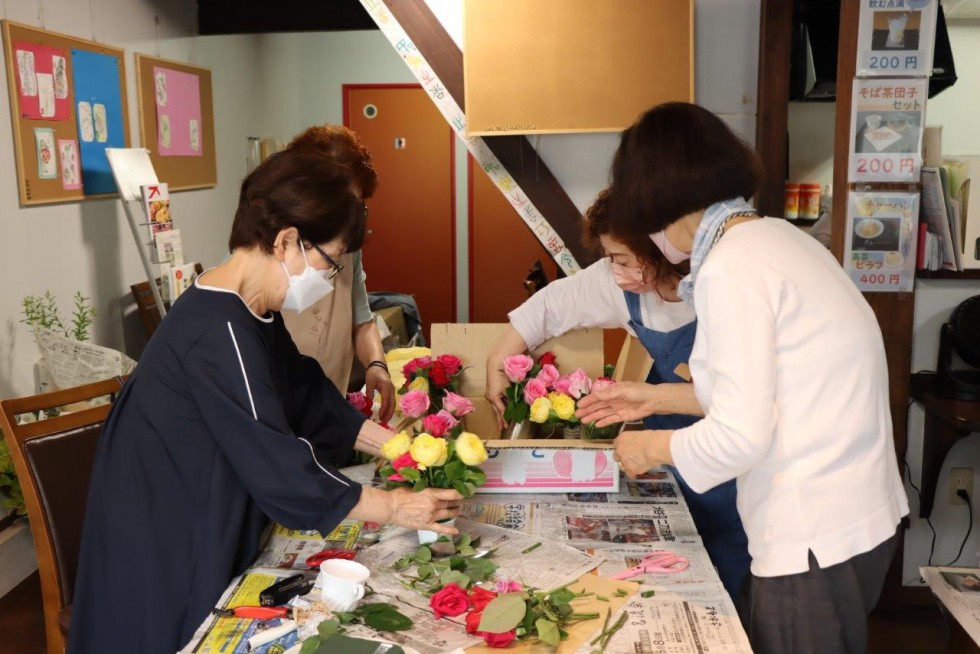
440 455
427 382
523 371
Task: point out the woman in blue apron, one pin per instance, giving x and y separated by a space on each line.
636 293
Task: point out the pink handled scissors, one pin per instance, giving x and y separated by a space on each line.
654 562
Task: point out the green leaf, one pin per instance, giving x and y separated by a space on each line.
425 571
648 593
310 645
455 577
548 632
454 470
367 609
387 619
464 540
466 550
341 644
410 474
423 553
476 476
503 613
403 563
480 569
562 595
464 488
328 628
346 618
420 485
457 563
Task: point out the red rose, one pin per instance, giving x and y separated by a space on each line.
451 363
499 640
450 601
479 598
435 425
415 365
473 621
548 358
438 375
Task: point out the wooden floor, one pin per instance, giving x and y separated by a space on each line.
917 630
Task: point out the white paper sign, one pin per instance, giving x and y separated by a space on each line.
896 37
881 240
887 123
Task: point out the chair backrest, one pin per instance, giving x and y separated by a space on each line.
146 304
53 459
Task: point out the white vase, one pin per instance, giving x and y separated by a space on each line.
426 536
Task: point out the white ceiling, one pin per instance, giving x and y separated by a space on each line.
962 9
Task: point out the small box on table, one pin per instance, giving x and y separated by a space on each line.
547 466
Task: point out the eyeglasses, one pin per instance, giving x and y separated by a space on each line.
336 268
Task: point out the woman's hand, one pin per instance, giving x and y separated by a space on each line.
377 379
497 384
424 509
631 401
639 451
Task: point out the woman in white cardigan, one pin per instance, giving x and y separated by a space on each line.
789 366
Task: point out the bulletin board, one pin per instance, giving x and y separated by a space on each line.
551 66
67 105
176 116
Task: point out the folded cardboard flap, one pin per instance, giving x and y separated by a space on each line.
472 343
964 186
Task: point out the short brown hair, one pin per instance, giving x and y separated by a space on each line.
309 187
342 145
678 158
597 222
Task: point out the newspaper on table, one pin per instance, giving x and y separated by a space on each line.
74 363
698 581
230 635
595 525
670 625
959 591
288 549
548 565
427 634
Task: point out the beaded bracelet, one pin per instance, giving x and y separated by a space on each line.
379 364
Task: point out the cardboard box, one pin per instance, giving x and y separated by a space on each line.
964 186
472 343
544 466
394 318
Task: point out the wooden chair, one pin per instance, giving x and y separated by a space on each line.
53 459
147 306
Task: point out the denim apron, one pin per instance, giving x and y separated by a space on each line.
714 512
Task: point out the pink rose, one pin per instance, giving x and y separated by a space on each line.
508 586
517 366
580 384
414 404
435 425
451 362
404 461
534 389
448 418
602 384
360 402
415 365
549 374
563 385
457 405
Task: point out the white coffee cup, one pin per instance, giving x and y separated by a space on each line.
342 584
873 121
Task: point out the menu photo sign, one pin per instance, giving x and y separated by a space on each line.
896 37
887 123
881 239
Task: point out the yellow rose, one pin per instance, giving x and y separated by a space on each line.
395 446
428 450
470 449
564 406
540 410
419 384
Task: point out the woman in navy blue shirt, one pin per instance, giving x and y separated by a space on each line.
224 425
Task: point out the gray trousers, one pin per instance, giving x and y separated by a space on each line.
821 611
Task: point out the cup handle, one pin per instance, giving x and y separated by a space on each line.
361 589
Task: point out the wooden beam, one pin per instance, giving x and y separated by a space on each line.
515 153
771 124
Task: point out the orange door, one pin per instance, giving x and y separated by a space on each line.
411 243
502 251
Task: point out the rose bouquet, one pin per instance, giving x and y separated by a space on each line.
441 455
529 379
427 382
555 404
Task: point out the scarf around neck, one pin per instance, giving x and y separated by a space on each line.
704 239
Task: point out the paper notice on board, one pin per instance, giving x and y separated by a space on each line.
887 124
896 38
881 240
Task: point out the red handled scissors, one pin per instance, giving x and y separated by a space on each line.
656 562
318 558
253 612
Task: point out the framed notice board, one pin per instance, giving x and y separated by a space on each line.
67 105
547 66
176 117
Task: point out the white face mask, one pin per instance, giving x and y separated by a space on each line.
307 288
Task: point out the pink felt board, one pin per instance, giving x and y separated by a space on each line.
178 104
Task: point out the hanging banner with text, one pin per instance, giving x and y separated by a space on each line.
881 240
